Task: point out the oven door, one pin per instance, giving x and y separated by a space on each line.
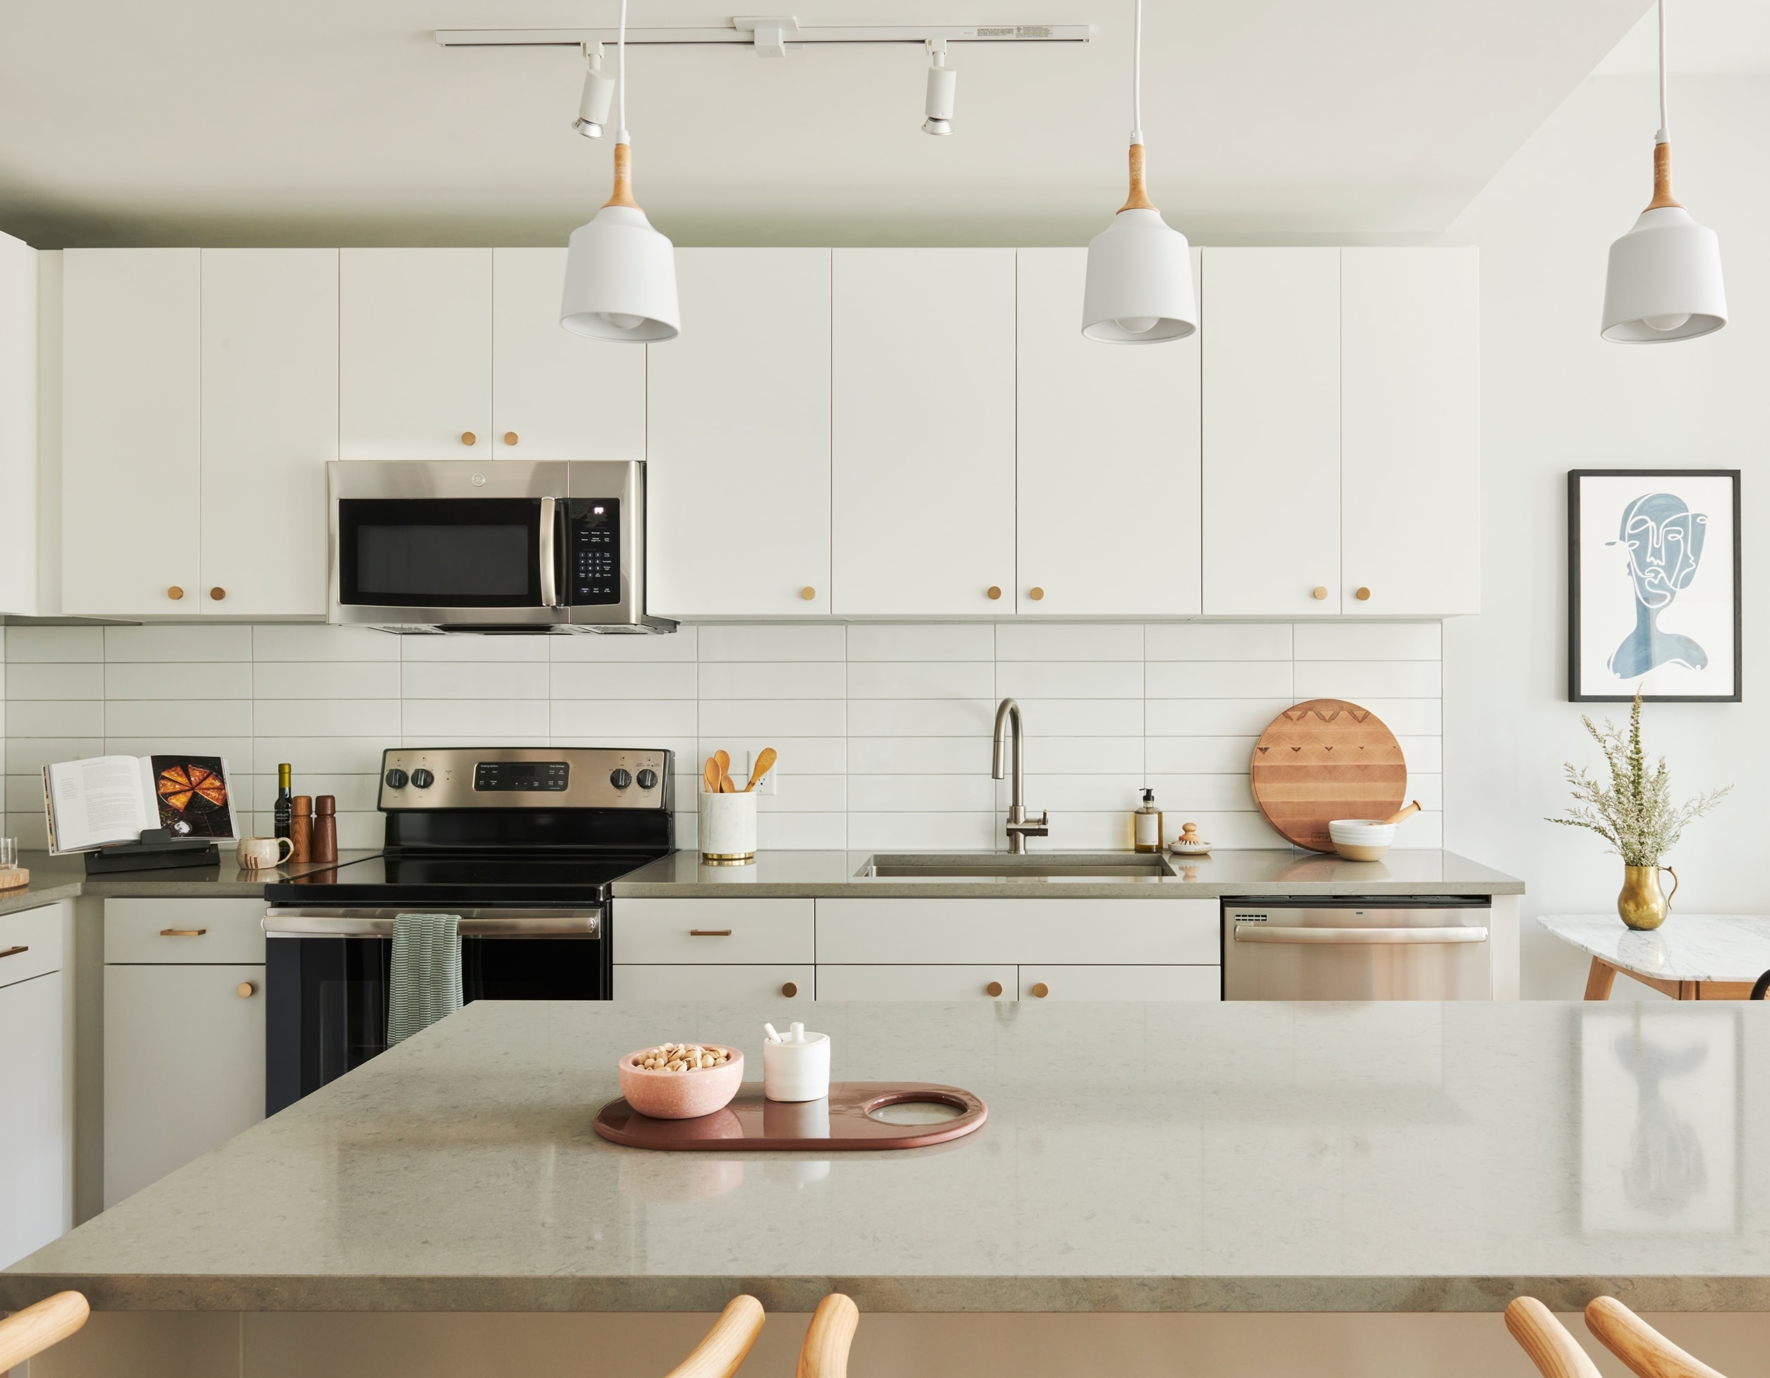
328 976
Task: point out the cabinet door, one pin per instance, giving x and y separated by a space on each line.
18 426
1107 499
723 983
922 430
131 431
707 932
556 395
270 423
1271 432
415 354
1121 983
1410 460
738 438
183 1067
34 1146
945 983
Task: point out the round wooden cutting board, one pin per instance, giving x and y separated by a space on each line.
1322 760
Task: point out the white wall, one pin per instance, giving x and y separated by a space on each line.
1556 397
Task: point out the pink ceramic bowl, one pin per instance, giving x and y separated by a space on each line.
681 1095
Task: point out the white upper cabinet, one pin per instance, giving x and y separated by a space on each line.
556 395
738 407
415 354
18 426
1271 432
922 429
270 423
1410 359
131 431
1108 491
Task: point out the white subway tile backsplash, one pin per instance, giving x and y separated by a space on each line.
632 720
910 642
180 641
919 755
509 719
1084 755
431 679
1212 717
1195 755
921 717
1408 717
1098 679
1369 640
773 718
327 718
1217 679
1082 717
66 680
913 793
781 831
320 679
170 680
787 679
473 650
25 754
921 679
773 642
320 756
286 641
799 793
1081 641
623 679
945 832
1084 793
49 718
1423 753
1361 681
354 793
1217 641
798 755
1195 793
54 645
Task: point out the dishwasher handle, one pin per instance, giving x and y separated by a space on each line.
1332 937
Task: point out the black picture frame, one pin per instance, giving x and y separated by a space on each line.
1577 622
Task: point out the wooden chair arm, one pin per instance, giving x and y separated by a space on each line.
1555 1352
33 1330
825 1351
727 1343
1639 1345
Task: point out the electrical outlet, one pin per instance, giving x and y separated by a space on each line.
766 784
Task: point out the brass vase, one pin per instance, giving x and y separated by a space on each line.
1641 904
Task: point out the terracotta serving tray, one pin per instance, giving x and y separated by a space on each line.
822 1126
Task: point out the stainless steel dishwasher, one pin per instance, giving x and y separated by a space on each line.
1400 947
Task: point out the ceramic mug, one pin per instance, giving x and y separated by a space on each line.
264 851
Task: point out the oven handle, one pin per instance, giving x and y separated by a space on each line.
549 584
475 923
1328 937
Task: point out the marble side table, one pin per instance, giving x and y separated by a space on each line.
1688 957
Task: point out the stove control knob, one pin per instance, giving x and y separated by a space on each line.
396 778
422 778
619 778
648 779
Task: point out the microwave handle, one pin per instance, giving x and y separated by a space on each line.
549 580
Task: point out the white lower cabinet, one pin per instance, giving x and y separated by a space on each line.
978 981
734 981
35 1123
1042 982
1015 931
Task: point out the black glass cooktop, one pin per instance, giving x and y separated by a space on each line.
463 878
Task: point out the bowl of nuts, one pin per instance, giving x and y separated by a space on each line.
681 1081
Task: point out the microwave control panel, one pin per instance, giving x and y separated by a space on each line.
592 551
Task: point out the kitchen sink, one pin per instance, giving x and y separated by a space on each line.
1000 866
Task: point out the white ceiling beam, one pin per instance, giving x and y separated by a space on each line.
775 30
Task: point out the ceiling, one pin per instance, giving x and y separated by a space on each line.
1703 38
342 122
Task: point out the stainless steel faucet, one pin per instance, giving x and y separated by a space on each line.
1020 827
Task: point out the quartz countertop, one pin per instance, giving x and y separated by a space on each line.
1733 948
1401 1156
781 875
64 878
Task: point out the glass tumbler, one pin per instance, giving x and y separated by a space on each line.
8 853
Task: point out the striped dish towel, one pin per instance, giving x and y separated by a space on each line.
426 972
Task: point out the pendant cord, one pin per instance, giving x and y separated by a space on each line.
1664 136
1136 74
621 75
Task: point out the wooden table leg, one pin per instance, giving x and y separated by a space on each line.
1601 978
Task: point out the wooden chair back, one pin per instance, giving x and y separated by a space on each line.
1760 987
1639 1345
1555 1352
26 1333
727 1344
827 1339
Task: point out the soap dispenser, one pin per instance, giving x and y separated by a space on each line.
1146 824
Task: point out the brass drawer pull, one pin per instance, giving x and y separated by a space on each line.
790 989
14 951
245 990
182 932
1040 990
993 989
709 932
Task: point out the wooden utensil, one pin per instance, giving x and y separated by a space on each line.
1400 814
727 785
724 758
711 775
761 768
1322 760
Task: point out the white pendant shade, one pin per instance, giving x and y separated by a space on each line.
620 279
1139 282
1664 281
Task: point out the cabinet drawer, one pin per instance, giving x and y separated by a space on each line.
714 932
717 982
1012 931
183 931
982 981
1120 983
31 942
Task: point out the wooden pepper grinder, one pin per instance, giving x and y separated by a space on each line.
301 828
324 844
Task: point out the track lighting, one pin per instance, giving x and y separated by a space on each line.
943 81
599 91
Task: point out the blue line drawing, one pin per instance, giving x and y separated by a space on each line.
1664 540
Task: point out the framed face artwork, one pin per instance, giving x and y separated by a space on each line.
1653 585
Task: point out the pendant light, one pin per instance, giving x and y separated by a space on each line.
1665 273
620 273
1139 270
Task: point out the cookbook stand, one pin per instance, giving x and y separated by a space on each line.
157 850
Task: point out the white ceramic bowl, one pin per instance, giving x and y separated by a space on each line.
1361 839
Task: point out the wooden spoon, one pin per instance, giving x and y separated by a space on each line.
724 759
727 785
1400 814
711 775
761 768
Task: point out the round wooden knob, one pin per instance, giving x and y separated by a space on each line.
995 591
1320 593
245 990
993 989
175 593
469 438
218 593
510 437
790 989
1040 990
1363 595
1035 594
808 593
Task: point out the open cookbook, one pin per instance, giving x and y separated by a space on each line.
105 800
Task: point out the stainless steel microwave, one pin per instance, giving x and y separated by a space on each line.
510 546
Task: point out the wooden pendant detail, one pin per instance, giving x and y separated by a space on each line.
1662 178
1139 198
623 192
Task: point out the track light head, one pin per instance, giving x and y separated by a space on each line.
599 92
943 83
